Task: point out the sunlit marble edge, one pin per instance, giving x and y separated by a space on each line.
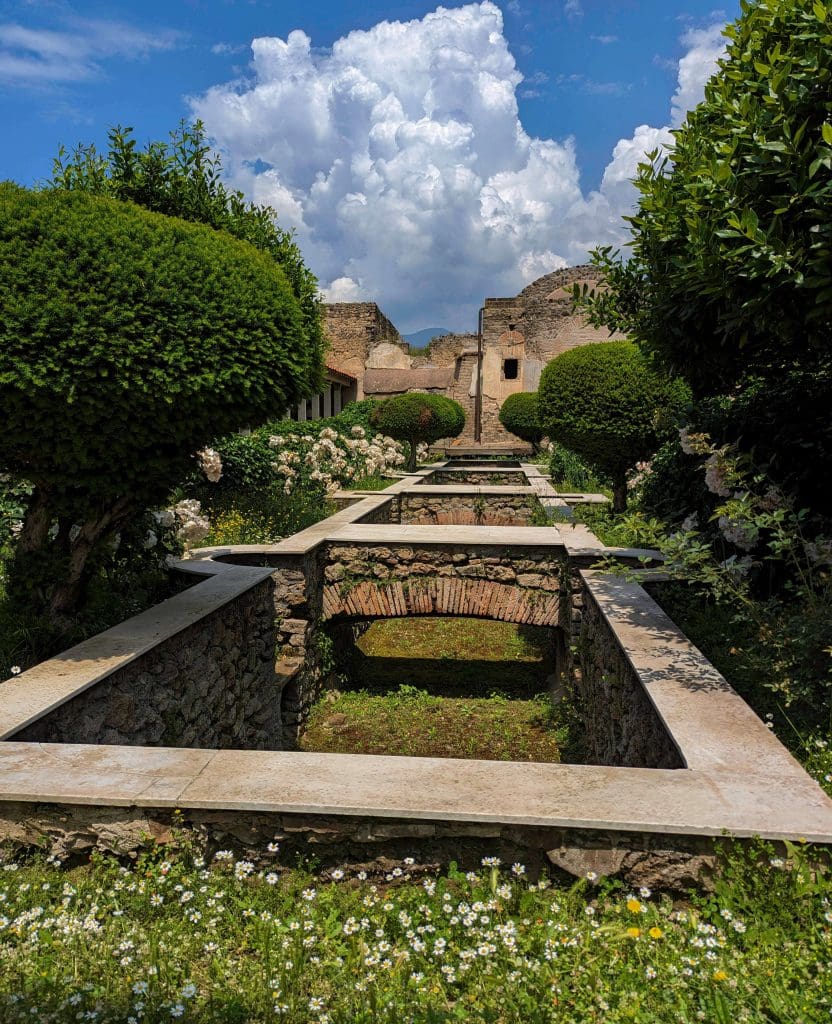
555 796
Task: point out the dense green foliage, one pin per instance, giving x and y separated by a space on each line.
519 415
732 246
569 472
729 281
605 403
248 459
173 937
419 418
182 178
127 341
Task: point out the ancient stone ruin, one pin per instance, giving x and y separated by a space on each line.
194 706
519 336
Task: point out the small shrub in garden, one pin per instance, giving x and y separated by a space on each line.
419 418
273 484
605 403
519 415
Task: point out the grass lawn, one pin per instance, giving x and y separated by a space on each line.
452 656
443 687
172 937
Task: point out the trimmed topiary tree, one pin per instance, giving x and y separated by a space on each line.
419 418
518 414
128 340
605 403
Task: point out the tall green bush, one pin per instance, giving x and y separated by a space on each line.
128 340
419 418
729 272
519 415
182 177
605 403
731 262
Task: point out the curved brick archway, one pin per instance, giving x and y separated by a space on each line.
476 598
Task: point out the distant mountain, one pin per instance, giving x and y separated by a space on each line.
419 339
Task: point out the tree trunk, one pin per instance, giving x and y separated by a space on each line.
619 493
34 534
411 458
66 595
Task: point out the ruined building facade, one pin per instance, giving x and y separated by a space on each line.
519 336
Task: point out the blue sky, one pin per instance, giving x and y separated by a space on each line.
424 165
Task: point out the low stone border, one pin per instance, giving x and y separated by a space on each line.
718 769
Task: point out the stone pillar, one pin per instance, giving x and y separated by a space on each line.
327 400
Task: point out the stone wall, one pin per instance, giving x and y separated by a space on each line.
392 580
476 478
354 330
444 349
469 509
212 685
619 723
375 845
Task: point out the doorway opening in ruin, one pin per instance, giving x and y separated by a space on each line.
511 369
437 686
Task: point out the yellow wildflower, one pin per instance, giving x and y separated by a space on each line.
656 933
720 975
634 932
634 906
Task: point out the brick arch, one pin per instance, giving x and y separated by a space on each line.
475 598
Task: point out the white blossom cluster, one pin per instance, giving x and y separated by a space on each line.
333 459
187 518
211 464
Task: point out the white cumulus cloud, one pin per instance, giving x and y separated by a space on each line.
400 159
705 47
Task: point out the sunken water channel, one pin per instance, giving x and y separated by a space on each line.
441 687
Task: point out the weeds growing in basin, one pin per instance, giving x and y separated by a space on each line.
442 687
172 938
412 722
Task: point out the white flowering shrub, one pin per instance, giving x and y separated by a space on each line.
211 463
333 460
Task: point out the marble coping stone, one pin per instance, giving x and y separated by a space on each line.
458 536
504 490
710 724
681 802
469 470
32 694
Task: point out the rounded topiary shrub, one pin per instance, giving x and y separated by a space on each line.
128 340
519 415
419 418
605 403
